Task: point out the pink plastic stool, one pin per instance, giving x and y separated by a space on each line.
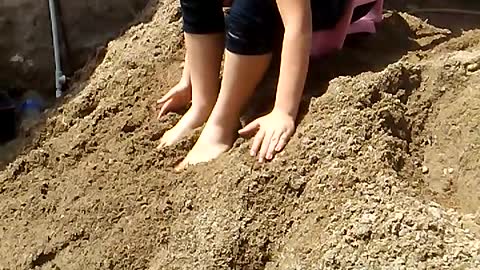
328 41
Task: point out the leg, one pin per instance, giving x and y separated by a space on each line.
204 39
247 58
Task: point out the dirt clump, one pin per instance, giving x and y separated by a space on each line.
451 138
349 192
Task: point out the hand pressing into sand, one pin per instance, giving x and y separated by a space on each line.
272 133
177 98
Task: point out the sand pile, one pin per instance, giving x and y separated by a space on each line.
382 172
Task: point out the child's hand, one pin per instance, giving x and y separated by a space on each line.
177 98
272 134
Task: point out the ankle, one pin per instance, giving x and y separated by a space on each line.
225 124
201 110
224 117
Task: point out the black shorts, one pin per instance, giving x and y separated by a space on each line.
251 25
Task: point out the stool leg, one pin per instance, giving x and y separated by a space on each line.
362 26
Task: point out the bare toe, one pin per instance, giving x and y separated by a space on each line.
190 121
181 166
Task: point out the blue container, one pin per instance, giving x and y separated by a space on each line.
32 106
8 125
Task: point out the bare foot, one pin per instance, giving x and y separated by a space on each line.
189 122
214 141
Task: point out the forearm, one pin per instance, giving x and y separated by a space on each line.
293 70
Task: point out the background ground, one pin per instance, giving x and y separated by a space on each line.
26 51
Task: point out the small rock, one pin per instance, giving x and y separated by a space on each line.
368 219
450 170
436 205
188 204
400 261
425 169
314 159
362 232
297 184
399 216
134 37
435 212
421 266
473 67
390 206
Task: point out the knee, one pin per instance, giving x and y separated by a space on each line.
248 35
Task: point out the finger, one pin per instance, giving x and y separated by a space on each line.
282 142
272 145
265 143
166 97
164 109
257 142
160 145
250 128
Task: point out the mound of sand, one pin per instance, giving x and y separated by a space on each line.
382 172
